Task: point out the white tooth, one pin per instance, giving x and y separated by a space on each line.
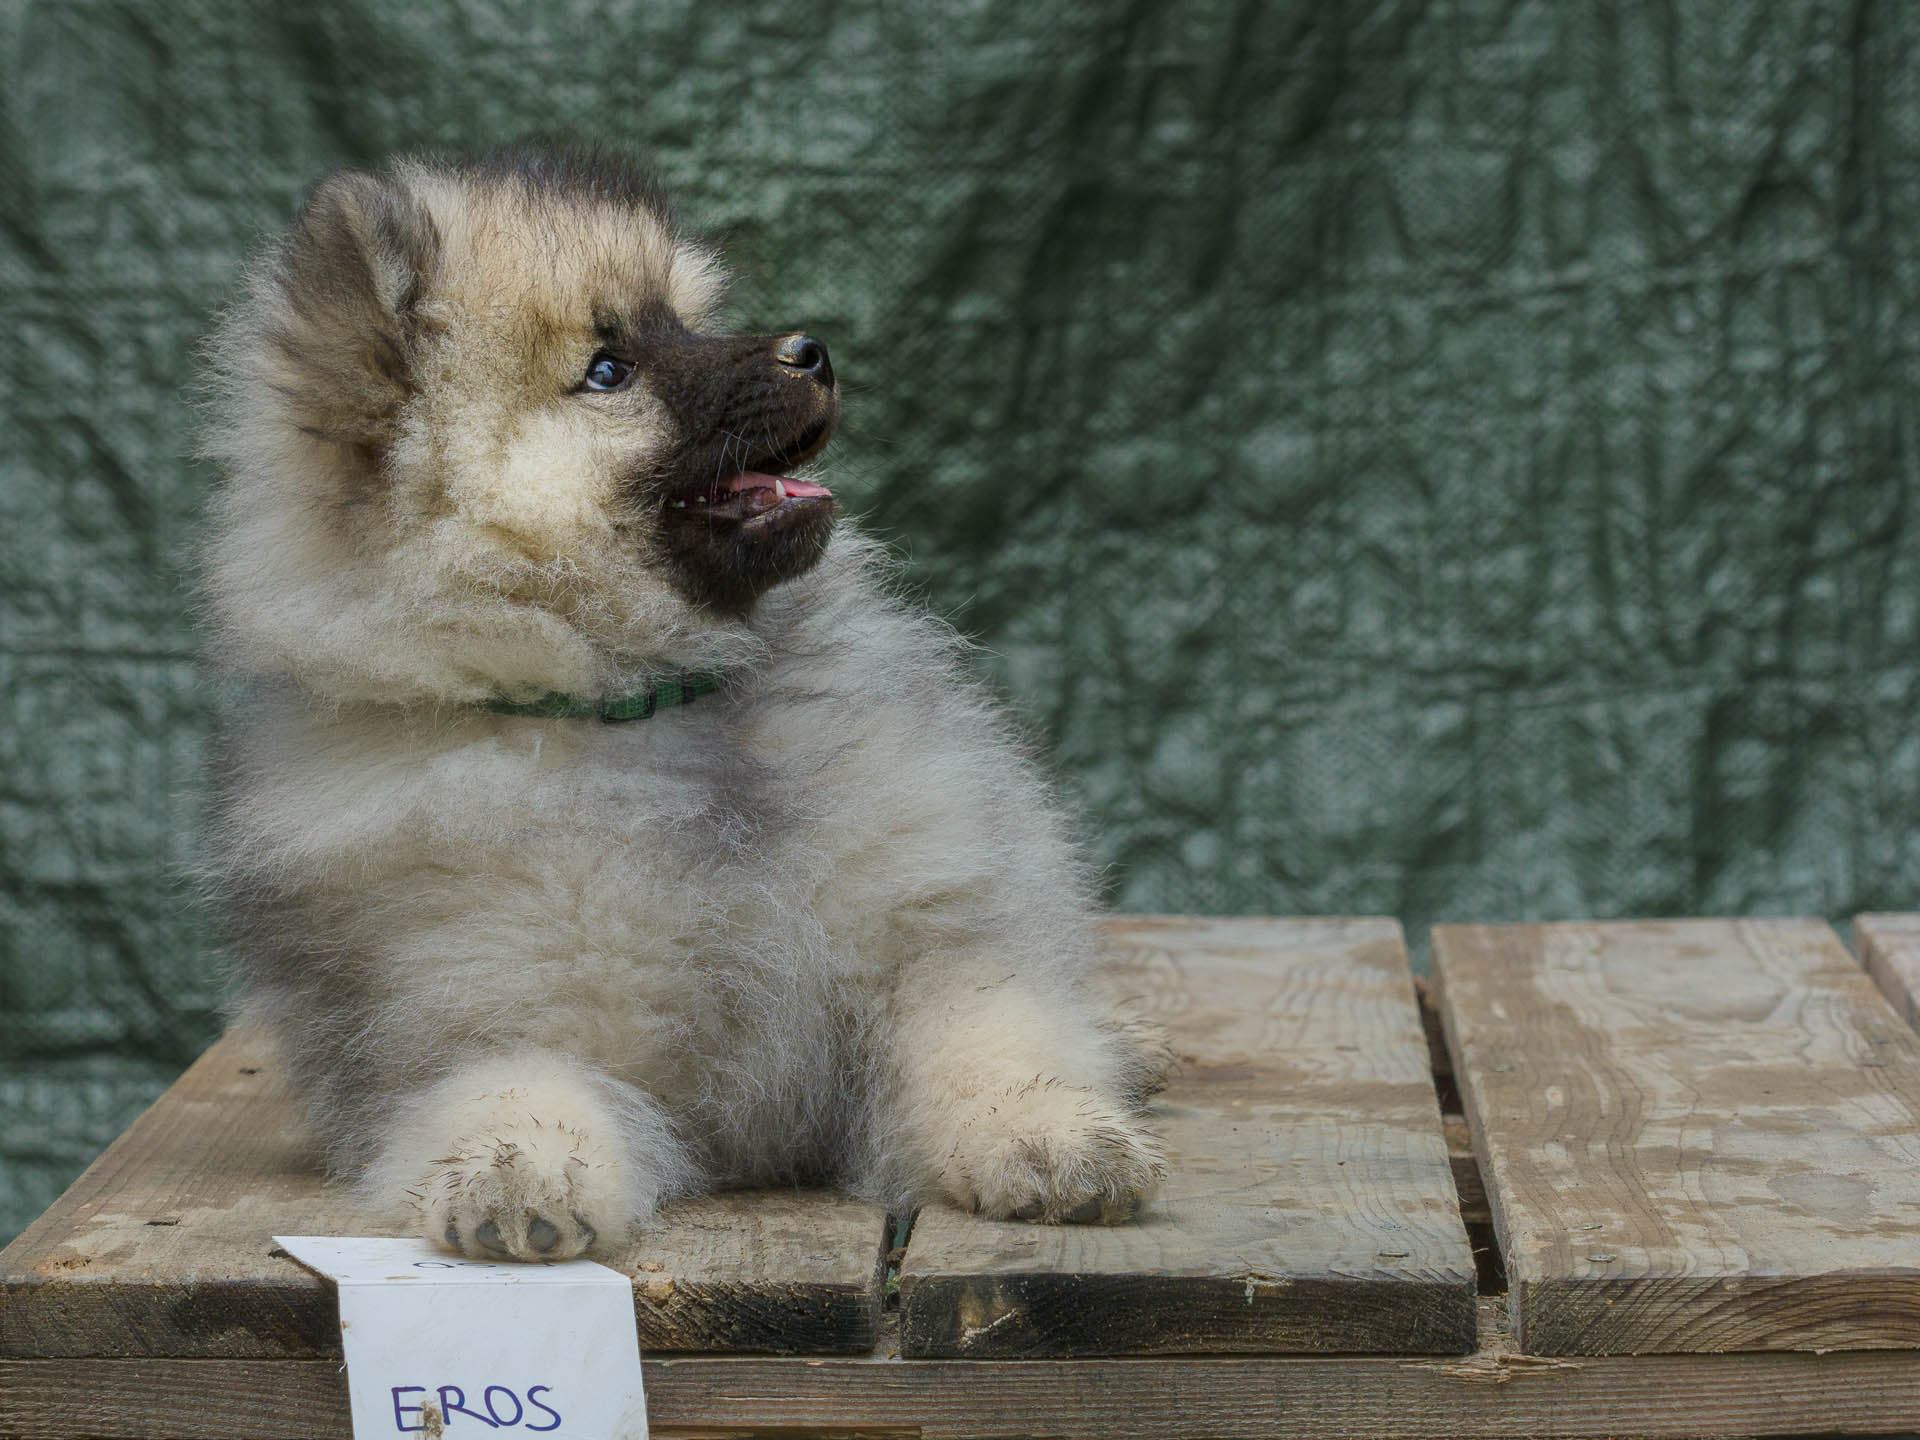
779 489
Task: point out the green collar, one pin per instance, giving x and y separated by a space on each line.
661 695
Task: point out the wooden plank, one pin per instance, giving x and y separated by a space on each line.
1494 1393
1889 946
1309 1206
163 1247
779 1272
1696 1135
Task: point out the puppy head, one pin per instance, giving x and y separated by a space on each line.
479 437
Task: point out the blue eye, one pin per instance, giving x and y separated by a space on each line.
606 372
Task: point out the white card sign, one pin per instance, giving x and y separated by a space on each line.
440 1347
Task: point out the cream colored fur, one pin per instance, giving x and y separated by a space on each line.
536 976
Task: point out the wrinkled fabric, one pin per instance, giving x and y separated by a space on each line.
1451 460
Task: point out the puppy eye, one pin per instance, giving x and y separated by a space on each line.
606 372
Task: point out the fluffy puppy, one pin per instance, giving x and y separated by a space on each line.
593 825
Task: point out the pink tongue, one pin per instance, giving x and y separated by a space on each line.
754 480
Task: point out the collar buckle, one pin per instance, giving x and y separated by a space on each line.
631 707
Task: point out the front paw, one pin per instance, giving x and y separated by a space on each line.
1055 1153
521 1193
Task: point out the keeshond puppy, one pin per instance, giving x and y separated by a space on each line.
594 826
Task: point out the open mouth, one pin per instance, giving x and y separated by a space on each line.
752 495
757 497
728 510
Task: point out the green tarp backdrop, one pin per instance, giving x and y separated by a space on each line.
1454 460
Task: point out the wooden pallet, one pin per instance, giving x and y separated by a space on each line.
1695 1150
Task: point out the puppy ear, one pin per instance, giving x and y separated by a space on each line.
345 336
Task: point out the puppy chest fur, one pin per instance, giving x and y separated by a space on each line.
483 444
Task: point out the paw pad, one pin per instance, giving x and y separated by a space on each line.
526 1198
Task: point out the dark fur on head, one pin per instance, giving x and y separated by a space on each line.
575 173
352 269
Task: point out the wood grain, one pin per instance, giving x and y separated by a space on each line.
1696 1135
1889 946
163 1247
1493 1393
1310 1204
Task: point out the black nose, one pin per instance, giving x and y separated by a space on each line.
803 352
